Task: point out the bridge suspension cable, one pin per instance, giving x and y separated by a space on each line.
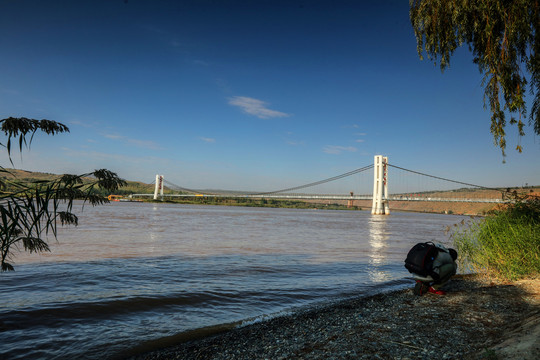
319 182
403 197
180 188
441 178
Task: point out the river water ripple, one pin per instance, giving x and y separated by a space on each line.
133 274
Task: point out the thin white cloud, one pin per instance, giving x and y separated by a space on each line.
81 123
336 149
288 138
154 29
145 144
255 107
208 140
97 156
360 140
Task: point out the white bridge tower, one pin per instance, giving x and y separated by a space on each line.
380 186
159 187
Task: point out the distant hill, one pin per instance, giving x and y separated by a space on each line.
132 187
27 175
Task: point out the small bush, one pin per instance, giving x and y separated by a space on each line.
505 244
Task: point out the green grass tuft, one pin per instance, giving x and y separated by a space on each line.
506 244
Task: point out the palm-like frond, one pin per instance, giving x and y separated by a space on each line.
29 209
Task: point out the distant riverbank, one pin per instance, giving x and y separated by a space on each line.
433 207
450 208
263 202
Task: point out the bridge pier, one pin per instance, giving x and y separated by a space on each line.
159 187
380 186
350 203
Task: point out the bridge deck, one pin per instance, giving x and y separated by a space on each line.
331 197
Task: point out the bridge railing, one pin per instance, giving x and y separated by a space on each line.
331 197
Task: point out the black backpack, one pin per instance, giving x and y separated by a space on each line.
420 258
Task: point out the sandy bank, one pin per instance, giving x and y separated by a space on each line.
477 319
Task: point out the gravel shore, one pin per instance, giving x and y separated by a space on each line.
477 319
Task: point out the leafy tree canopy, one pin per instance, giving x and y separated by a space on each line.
504 39
29 210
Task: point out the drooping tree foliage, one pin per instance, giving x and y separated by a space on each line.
504 38
31 210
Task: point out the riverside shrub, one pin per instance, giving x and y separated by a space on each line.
505 244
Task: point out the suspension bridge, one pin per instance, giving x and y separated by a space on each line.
375 176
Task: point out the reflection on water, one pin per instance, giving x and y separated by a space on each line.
378 239
152 244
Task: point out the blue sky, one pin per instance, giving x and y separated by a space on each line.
256 95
